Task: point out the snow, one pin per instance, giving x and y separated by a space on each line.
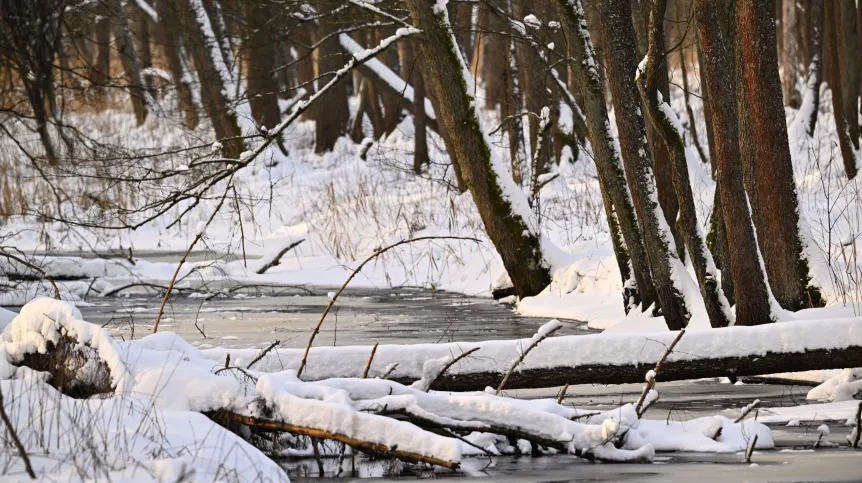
842 387
569 351
532 22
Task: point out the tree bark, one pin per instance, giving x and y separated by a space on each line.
102 67
848 52
769 174
260 56
169 35
500 203
707 117
749 278
649 256
131 63
790 52
815 66
411 67
332 115
666 123
213 90
847 141
531 83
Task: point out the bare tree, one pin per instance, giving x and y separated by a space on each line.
790 52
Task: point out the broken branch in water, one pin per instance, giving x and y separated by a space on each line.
650 377
263 353
353 274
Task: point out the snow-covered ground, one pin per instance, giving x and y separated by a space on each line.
345 208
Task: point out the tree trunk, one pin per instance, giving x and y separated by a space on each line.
707 117
512 110
848 52
102 68
790 52
769 175
131 63
168 32
332 115
501 204
531 83
583 359
305 65
652 251
260 56
749 279
815 67
411 67
848 143
692 125
214 92
666 123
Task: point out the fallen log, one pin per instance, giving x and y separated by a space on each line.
225 418
596 358
385 80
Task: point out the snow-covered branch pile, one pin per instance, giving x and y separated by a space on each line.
599 358
164 398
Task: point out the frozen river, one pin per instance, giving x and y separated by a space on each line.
366 316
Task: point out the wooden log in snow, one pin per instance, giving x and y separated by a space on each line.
596 358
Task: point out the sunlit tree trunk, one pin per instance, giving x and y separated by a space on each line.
749 277
767 165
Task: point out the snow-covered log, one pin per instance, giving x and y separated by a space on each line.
594 359
386 80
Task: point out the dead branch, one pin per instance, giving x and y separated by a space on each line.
353 274
198 236
263 353
448 365
562 394
14 435
375 449
650 381
277 259
858 432
750 450
523 354
31 266
747 409
370 358
119 289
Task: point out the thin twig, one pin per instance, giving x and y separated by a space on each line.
198 237
29 265
277 259
353 274
14 435
370 358
448 365
750 450
521 357
263 353
650 384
